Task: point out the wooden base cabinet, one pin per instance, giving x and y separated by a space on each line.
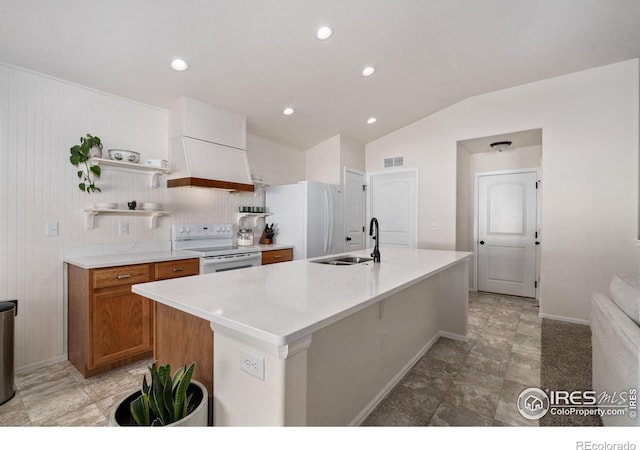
180 339
108 325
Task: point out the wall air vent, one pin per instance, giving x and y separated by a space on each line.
396 161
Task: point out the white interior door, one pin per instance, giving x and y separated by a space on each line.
393 201
354 210
507 230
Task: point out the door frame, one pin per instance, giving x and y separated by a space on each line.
416 202
476 201
344 187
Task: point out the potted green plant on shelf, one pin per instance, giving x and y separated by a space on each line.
89 147
168 401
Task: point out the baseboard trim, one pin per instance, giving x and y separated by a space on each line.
454 336
364 413
564 319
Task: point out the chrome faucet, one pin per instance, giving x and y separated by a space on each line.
376 252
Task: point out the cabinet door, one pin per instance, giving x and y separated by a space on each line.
122 325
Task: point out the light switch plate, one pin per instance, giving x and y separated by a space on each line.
51 229
123 228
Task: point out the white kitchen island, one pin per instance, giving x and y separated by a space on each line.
324 343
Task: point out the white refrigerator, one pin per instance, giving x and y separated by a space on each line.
309 215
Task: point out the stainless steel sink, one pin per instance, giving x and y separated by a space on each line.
344 260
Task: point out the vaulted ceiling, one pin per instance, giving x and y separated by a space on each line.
256 57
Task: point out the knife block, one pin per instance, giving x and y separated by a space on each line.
264 240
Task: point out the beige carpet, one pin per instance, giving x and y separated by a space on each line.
566 365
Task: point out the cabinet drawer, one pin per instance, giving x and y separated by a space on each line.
122 275
276 256
175 269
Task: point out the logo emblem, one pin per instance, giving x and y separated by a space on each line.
533 403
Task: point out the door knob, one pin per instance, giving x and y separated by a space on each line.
481 242
347 238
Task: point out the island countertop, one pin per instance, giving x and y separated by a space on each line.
281 303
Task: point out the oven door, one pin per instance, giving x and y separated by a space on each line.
212 264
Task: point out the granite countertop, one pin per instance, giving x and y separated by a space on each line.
281 303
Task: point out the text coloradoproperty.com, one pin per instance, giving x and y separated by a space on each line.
573 410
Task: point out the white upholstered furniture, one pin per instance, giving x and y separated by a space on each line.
615 329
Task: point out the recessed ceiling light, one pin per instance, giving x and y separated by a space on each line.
324 32
371 120
287 111
368 71
179 64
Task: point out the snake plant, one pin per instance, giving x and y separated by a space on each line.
165 400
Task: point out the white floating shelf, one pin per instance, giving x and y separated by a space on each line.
241 215
153 215
123 166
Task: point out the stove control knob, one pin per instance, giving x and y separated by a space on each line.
181 230
228 228
218 229
187 230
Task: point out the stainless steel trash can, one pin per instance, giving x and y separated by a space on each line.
8 310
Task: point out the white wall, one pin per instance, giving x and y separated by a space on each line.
40 119
589 123
274 162
322 162
326 161
352 156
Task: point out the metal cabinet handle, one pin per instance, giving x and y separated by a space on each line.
122 277
277 256
177 269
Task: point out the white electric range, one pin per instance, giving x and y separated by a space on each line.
213 243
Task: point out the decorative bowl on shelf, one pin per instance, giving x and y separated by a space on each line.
105 205
124 155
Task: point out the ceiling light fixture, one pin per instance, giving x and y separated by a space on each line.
179 64
287 111
324 32
368 71
371 120
500 146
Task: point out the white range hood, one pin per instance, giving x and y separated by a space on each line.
208 148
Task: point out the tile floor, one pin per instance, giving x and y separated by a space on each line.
472 383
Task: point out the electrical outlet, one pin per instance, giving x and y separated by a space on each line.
253 365
51 229
123 228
